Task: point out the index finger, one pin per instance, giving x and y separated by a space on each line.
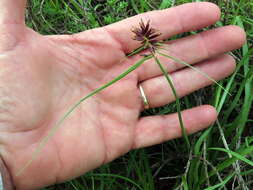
172 21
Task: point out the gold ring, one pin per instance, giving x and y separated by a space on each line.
144 98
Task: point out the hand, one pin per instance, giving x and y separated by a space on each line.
42 76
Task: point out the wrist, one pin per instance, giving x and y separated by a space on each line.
5 177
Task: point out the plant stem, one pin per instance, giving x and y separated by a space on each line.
177 100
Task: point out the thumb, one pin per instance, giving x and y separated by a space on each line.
12 11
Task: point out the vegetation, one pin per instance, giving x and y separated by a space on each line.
220 157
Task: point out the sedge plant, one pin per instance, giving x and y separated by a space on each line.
147 36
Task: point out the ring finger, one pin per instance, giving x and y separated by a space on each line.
158 92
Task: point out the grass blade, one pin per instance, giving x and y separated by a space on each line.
177 100
119 177
228 162
219 185
53 130
240 157
195 69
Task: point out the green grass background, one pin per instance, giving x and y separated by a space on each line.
170 165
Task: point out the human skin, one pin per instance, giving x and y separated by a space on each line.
42 76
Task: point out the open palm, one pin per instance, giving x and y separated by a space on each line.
42 76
